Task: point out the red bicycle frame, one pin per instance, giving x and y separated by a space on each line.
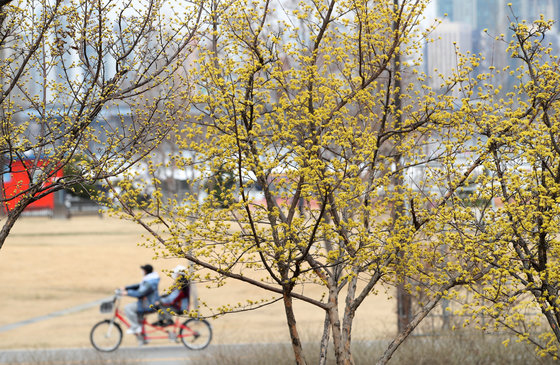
155 332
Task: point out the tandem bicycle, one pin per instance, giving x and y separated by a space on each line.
106 336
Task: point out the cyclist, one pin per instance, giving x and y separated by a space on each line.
147 293
178 300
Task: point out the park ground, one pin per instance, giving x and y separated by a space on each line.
48 265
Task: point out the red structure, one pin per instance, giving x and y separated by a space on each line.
17 180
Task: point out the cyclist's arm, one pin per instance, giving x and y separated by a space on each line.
142 290
132 287
169 298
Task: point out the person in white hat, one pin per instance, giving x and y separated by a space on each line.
178 300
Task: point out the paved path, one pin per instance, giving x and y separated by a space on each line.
63 312
146 355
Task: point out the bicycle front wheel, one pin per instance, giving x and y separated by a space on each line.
106 336
195 334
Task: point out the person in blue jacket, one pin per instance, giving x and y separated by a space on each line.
147 293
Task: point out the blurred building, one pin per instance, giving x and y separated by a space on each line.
495 15
441 56
473 25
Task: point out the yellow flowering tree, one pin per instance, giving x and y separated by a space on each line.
76 82
507 225
347 177
308 107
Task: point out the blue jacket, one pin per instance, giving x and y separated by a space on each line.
146 292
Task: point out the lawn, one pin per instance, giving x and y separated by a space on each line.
48 265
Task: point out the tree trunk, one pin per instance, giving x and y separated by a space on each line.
11 219
404 307
397 341
404 299
551 319
325 341
335 322
294 335
349 312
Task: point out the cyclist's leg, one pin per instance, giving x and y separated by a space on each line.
130 310
166 317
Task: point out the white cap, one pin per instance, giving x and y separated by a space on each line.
177 271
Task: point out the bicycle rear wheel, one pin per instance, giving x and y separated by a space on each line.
106 336
195 334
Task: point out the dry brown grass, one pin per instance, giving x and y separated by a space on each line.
48 265
454 348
